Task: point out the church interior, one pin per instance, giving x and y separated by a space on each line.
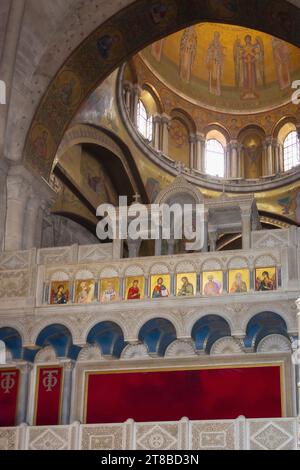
142 343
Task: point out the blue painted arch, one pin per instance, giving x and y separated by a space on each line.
207 330
157 334
109 337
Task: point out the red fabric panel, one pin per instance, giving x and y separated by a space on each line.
48 399
9 386
254 392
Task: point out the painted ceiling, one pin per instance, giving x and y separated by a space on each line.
225 67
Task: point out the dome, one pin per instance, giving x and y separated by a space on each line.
225 68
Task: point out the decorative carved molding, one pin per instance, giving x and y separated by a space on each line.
274 343
226 346
181 348
135 351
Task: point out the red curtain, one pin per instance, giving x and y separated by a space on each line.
254 392
9 385
49 395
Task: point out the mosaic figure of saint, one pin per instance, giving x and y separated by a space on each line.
85 293
212 287
249 66
60 297
134 291
109 294
157 49
188 50
215 59
265 283
160 290
186 289
281 55
238 286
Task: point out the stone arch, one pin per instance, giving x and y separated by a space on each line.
262 325
98 136
172 318
155 96
218 132
171 16
157 334
17 326
185 118
104 318
66 322
290 320
195 316
290 119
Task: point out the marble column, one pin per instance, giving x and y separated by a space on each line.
134 248
17 196
246 228
157 132
205 230
234 158
33 223
192 151
171 246
227 161
22 409
3 190
127 87
200 152
165 120
68 366
269 160
136 93
213 238
281 158
241 169
276 157
7 66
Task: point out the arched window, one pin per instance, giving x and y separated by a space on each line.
291 151
215 158
144 122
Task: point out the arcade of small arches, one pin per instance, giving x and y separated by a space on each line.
266 332
213 153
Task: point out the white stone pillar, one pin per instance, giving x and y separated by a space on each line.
213 238
136 93
281 158
241 169
7 66
165 120
22 409
134 248
17 195
200 152
205 235
68 366
171 246
3 190
246 228
127 87
227 161
234 158
270 169
276 157
192 151
157 132
33 223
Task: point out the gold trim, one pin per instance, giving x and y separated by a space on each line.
281 365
